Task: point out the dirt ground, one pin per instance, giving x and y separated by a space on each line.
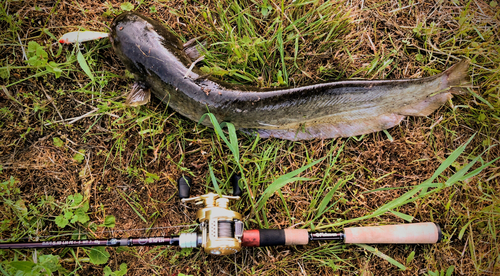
125 161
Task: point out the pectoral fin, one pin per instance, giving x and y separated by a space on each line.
139 95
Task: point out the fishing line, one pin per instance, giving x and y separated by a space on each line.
105 231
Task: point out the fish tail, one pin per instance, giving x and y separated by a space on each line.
457 77
454 80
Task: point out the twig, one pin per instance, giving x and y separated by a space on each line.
88 114
22 47
69 140
479 7
481 133
74 119
22 166
371 43
192 66
11 97
51 100
436 50
405 7
436 123
302 269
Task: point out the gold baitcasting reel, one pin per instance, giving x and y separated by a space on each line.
221 228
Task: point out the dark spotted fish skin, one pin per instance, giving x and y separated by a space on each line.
328 110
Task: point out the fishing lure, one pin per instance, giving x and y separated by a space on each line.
81 36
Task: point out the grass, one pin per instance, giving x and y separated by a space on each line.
123 163
254 51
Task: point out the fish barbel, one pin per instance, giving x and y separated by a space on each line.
336 109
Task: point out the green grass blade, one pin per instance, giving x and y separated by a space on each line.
389 137
131 206
214 180
382 255
406 217
324 202
282 181
422 188
233 139
478 170
233 142
449 161
279 40
275 186
83 63
480 98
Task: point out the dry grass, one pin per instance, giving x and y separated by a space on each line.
132 157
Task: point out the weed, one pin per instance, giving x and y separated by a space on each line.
121 272
98 255
448 272
127 6
75 210
45 265
79 156
8 188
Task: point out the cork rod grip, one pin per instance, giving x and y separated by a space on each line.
426 232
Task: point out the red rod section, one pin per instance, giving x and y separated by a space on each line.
273 237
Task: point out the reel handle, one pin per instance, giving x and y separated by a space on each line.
184 185
235 178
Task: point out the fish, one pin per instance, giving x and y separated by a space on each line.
156 58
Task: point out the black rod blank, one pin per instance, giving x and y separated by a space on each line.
151 241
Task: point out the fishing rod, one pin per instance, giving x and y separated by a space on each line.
222 230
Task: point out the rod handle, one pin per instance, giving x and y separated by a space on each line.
411 233
184 185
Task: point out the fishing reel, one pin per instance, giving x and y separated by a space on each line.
221 228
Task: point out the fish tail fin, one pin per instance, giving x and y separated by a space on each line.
455 80
457 77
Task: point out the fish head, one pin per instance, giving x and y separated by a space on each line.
142 43
124 31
